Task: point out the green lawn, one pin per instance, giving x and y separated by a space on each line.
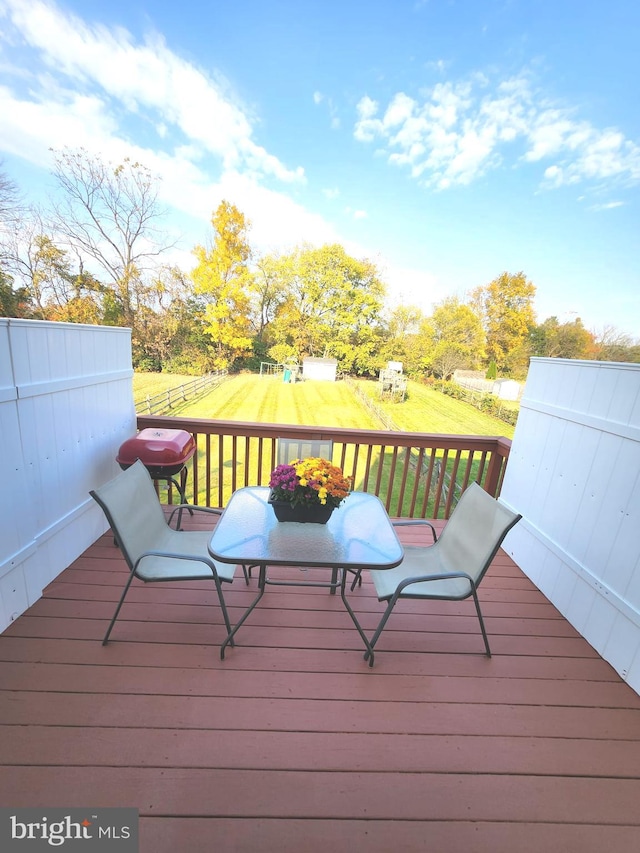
248 397
266 399
426 410
150 384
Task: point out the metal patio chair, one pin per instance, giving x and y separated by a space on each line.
453 567
300 448
408 522
153 550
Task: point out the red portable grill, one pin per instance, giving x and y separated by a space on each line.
163 452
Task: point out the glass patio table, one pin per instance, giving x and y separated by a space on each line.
359 535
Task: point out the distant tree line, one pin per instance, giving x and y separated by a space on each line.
97 256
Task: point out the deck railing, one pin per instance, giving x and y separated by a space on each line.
416 475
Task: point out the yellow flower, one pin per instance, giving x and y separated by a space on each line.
318 481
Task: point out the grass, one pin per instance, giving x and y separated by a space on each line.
150 384
247 397
426 410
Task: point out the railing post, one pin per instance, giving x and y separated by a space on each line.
495 468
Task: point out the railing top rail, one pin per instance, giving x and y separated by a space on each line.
362 436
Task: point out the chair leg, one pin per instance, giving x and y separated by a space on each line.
357 579
115 615
481 620
223 607
391 604
381 625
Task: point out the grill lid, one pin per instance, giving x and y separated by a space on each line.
157 448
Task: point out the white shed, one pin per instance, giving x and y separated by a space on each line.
506 389
320 368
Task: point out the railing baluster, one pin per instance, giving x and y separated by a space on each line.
451 492
427 484
221 501
416 481
403 481
207 470
440 485
367 469
379 477
467 471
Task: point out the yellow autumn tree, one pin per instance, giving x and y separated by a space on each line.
222 277
506 309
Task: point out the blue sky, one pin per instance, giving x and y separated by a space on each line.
447 140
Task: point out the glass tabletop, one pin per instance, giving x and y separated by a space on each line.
359 534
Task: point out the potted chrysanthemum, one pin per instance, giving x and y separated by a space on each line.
307 490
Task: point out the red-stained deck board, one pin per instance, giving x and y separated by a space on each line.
69 678
274 835
293 743
325 751
389 795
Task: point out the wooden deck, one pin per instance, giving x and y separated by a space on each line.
292 744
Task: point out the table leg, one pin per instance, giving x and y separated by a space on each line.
368 655
334 581
261 585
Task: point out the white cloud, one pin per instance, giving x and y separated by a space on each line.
366 108
367 128
456 132
144 78
610 205
86 84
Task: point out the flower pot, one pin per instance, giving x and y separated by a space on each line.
305 513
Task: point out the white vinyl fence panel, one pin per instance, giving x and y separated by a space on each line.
66 405
574 474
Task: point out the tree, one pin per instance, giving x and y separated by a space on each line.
10 203
553 339
332 306
110 214
223 278
48 276
173 337
401 340
453 339
505 307
269 292
13 302
610 344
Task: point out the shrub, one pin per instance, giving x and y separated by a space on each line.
492 371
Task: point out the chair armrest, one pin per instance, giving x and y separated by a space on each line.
170 555
219 571
443 576
191 508
412 522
